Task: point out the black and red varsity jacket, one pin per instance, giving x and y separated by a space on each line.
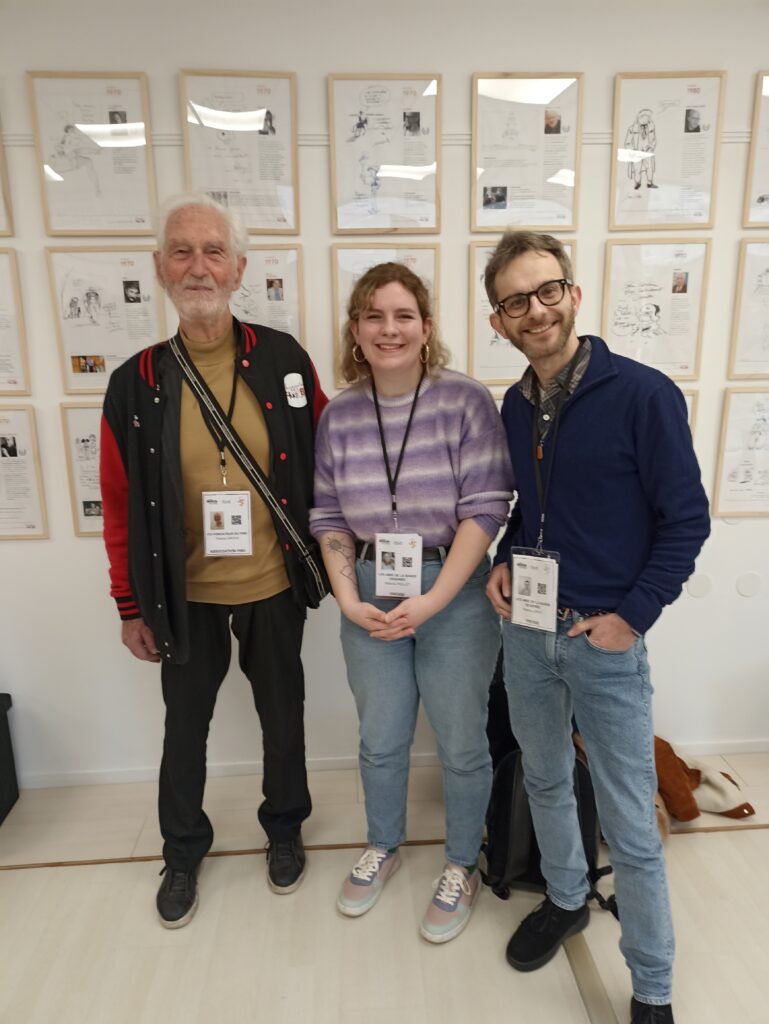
141 482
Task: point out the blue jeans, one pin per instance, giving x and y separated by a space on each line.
548 676
449 663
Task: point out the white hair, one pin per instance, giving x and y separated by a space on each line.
237 229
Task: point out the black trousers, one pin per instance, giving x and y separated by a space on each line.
269 635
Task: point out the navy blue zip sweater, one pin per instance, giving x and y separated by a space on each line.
626 509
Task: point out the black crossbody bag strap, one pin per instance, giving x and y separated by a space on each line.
211 408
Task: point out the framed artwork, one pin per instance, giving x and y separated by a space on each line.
749 350
6 216
756 210
667 128
14 362
22 502
742 475
106 306
385 133
491 358
526 143
692 397
350 261
240 144
654 302
272 289
80 423
93 145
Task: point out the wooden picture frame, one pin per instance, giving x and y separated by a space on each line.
749 346
14 354
243 151
272 289
653 288
666 143
23 514
755 213
385 152
526 149
94 151
692 396
6 213
742 473
107 304
80 424
350 260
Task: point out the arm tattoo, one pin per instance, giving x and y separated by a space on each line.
347 555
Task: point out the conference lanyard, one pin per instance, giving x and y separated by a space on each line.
537 442
392 479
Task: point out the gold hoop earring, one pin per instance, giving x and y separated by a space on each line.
357 348
424 355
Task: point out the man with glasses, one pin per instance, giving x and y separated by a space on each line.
611 514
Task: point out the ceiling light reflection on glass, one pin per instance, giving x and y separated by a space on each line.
226 120
540 91
115 136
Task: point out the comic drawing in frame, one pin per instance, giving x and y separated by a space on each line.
240 144
526 143
654 302
385 137
667 129
93 145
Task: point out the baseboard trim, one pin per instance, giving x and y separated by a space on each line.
50 780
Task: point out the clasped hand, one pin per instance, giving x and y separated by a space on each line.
399 622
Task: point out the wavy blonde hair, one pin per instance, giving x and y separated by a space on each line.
361 299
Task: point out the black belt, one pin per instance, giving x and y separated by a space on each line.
365 549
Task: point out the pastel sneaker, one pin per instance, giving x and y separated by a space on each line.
363 886
449 911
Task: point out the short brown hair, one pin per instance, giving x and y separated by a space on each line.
516 243
361 299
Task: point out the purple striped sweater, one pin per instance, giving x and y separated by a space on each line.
456 465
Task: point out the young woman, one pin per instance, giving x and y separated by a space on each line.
412 483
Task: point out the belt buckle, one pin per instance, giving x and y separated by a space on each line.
564 613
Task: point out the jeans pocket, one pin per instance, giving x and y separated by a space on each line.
604 650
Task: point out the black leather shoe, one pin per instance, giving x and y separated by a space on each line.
539 936
285 865
177 898
645 1013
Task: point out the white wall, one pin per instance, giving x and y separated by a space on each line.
83 709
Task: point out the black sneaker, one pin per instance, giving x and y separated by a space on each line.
285 865
177 898
645 1013
539 936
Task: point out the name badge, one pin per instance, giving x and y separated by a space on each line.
398 562
534 588
227 523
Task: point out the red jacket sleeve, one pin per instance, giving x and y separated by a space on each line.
114 495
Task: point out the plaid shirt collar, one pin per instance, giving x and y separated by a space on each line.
548 395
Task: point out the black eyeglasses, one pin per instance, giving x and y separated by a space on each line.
549 294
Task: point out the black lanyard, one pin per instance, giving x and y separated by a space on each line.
393 480
215 433
537 442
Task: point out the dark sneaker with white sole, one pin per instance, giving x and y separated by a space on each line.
177 898
540 935
286 864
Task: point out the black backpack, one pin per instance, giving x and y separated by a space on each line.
510 856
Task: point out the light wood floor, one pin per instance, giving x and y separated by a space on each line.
80 944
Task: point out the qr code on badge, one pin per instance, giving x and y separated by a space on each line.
542 589
407 561
237 520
